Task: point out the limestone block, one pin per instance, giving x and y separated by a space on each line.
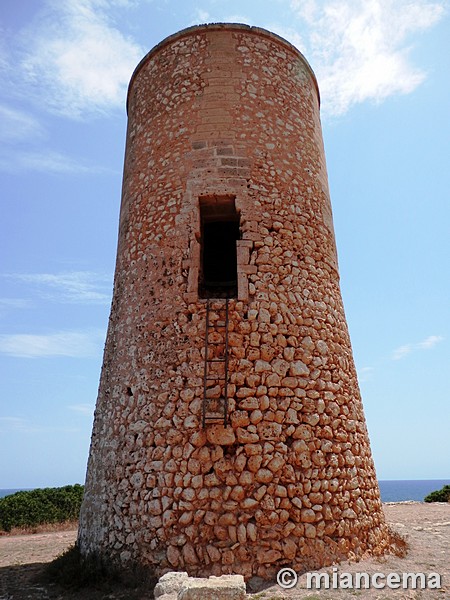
269 431
268 555
297 502
302 432
213 553
264 316
226 587
240 418
310 531
289 548
252 532
189 554
264 476
246 478
276 464
170 583
308 515
249 503
298 369
246 437
173 555
218 434
261 366
256 417
249 404
280 366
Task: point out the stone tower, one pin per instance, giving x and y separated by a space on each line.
229 433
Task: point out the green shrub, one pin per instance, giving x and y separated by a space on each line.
439 495
40 506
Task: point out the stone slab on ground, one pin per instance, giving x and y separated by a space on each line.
179 586
226 587
169 585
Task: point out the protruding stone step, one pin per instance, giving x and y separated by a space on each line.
178 586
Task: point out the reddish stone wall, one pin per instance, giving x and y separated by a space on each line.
217 111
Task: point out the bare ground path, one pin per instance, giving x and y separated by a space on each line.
426 528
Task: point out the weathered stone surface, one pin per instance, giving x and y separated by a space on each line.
228 116
266 556
226 587
218 434
264 475
298 368
170 583
308 515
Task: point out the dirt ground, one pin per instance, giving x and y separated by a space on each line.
426 528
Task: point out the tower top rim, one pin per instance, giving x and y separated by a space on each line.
259 31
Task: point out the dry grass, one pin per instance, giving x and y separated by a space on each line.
398 544
43 528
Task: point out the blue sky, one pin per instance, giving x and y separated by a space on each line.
382 68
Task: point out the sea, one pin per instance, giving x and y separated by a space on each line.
391 490
409 489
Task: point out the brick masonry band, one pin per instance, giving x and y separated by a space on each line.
229 434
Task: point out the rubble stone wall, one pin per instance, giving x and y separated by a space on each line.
224 110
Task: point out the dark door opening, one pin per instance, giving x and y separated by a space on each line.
219 233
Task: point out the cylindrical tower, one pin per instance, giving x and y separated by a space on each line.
229 433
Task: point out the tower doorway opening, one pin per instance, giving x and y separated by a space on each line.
219 226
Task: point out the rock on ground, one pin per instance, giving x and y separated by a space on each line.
179 586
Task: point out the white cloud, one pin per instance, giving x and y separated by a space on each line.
306 9
290 34
84 409
202 16
78 60
402 351
74 344
84 287
365 374
7 304
18 131
20 425
47 161
13 424
360 48
5 58
17 125
239 18
430 342
426 344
